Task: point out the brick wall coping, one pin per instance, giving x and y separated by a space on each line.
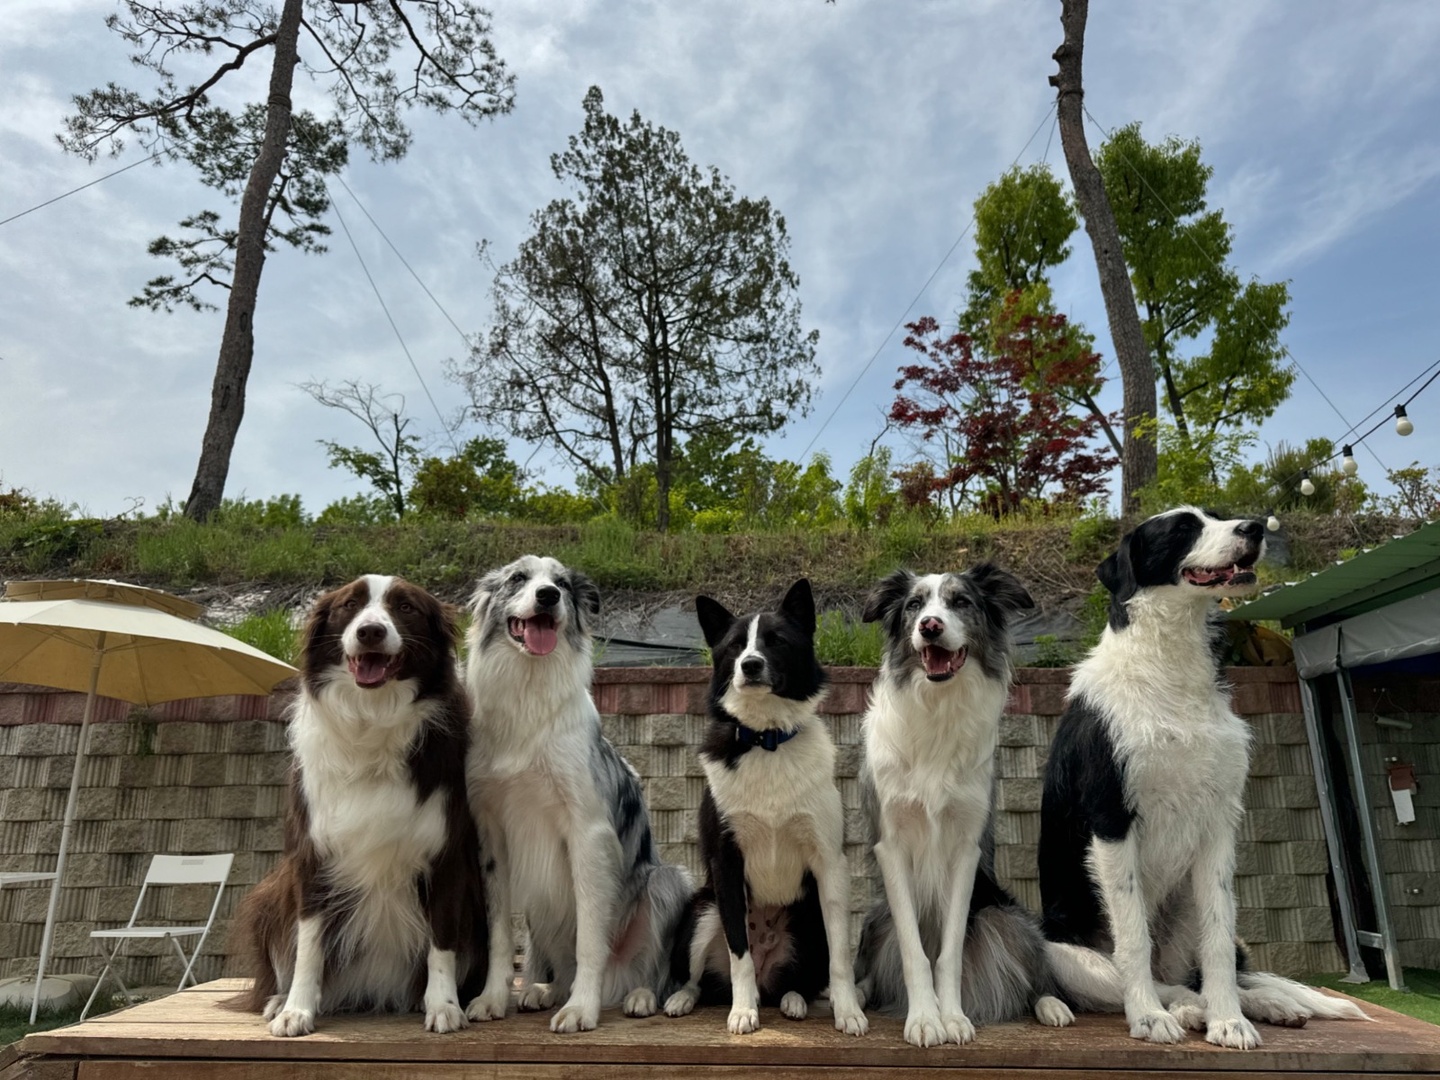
626 691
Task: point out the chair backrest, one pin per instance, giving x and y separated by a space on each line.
189 869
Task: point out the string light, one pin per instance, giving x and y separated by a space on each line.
1403 426
1307 486
1272 522
1348 465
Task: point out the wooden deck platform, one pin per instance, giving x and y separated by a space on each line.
189 1037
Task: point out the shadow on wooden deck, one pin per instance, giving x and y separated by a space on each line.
188 1036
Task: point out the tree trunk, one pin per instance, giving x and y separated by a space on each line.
1138 462
237 345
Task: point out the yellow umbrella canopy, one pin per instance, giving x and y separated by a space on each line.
144 656
119 592
134 653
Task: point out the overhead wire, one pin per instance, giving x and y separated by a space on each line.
82 187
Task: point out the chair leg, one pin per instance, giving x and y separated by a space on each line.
109 963
188 964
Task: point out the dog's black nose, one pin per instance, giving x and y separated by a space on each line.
931 628
753 667
370 633
1253 531
547 596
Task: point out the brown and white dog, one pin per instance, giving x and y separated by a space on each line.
378 901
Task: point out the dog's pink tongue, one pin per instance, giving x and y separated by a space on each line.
540 637
369 669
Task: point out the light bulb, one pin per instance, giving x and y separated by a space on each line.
1272 522
1403 426
1348 465
1306 486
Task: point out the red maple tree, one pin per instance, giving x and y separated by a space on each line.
1002 431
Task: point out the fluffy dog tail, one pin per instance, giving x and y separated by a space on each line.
1266 993
1005 976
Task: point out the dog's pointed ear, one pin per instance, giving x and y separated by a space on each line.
715 621
799 605
587 598
1002 587
1117 574
885 596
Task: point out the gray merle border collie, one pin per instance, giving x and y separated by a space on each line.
771 925
377 901
562 814
1144 794
927 781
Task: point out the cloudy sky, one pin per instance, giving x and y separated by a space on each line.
870 124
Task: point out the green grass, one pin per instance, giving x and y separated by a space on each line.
15 1019
271 632
846 643
1422 1000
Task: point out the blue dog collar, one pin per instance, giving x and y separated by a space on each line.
770 739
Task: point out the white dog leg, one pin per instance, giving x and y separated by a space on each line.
1212 880
948 965
833 879
594 869
303 1001
922 1021
1116 868
494 999
442 996
744 996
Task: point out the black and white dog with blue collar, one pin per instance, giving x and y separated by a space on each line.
772 924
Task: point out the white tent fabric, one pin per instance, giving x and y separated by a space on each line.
1408 628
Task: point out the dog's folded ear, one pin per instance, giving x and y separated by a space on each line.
799 605
887 595
1117 573
315 630
587 597
715 620
1002 587
484 593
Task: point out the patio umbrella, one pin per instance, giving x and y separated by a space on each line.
120 592
120 650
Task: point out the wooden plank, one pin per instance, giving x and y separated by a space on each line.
370 1070
193 1025
28 1068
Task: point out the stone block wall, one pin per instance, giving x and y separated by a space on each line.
198 777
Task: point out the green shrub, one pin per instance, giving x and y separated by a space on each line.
843 642
272 632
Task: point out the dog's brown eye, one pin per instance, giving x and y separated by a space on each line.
407 608
516 578
349 605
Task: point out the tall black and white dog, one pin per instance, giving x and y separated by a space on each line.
561 813
927 781
773 918
1143 798
376 902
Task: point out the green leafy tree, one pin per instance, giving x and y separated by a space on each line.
480 480
388 468
375 59
1177 250
653 306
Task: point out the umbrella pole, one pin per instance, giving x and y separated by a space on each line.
49 937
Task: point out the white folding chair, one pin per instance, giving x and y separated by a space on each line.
164 870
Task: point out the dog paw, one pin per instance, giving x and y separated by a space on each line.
575 1017
536 997
1157 1027
794 1006
273 1006
862 992
1188 1015
289 1022
1236 1033
958 1028
743 1021
640 1002
444 1017
924 1029
851 1021
488 1006
682 1001
1052 1012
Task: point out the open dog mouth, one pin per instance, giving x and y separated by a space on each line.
536 635
1240 573
940 663
373 669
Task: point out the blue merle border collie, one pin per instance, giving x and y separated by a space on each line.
771 925
562 815
927 782
377 902
1144 794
